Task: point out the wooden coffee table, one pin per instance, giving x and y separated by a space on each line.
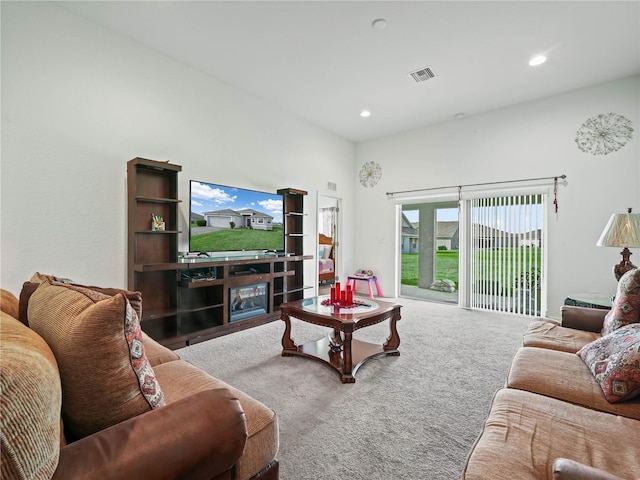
339 349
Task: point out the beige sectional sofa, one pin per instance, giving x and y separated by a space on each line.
552 419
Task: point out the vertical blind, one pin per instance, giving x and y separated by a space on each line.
506 253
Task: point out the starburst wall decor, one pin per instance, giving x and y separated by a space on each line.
604 133
370 174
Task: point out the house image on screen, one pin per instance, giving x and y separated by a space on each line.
243 218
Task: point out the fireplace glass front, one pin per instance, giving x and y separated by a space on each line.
247 301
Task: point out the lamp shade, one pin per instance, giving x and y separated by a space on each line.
622 230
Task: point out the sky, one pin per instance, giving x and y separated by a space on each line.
514 219
443 215
207 197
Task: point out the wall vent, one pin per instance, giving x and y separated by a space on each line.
332 186
423 74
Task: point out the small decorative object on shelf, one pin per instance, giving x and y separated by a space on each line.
363 272
157 223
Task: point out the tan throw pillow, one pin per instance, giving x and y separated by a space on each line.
97 341
135 298
626 306
30 403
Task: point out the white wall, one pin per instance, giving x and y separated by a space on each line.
79 101
531 140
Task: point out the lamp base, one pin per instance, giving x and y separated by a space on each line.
624 266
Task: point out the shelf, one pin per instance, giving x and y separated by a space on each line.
287 273
157 200
203 308
202 283
157 267
153 314
297 288
155 165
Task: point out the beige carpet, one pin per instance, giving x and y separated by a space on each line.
415 416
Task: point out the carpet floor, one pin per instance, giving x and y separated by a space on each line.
413 417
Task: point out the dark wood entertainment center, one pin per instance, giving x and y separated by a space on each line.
186 299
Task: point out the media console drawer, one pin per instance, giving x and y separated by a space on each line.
248 279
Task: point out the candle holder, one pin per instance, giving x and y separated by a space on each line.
341 298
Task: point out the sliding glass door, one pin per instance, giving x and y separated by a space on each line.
484 252
430 251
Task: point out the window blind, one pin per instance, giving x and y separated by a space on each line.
507 252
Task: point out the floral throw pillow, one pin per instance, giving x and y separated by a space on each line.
626 307
614 361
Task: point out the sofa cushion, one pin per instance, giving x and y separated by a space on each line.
30 403
9 303
614 361
181 379
525 433
564 376
547 333
97 342
157 353
626 305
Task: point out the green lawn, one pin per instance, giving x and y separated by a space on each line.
447 265
238 239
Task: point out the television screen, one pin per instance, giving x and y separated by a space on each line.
226 219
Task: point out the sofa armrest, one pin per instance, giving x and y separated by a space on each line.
583 318
197 437
565 469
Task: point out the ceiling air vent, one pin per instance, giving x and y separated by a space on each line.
423 74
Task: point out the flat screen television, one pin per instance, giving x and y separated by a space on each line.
232 219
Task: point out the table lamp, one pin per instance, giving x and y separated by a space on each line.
622 230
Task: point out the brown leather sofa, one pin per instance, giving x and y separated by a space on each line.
69 412
551 420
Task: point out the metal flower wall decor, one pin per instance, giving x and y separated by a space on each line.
370 174
604 133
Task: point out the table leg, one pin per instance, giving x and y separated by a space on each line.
347 360
287 342
370 291
335 341
393 342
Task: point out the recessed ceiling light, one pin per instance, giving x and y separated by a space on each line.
537 60
365 113
379 24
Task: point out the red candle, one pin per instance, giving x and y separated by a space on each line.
343 297
333 294
350 296
338 290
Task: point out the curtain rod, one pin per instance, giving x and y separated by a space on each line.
477 184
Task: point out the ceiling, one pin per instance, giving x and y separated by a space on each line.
324 61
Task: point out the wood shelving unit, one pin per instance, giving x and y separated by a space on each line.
189 300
